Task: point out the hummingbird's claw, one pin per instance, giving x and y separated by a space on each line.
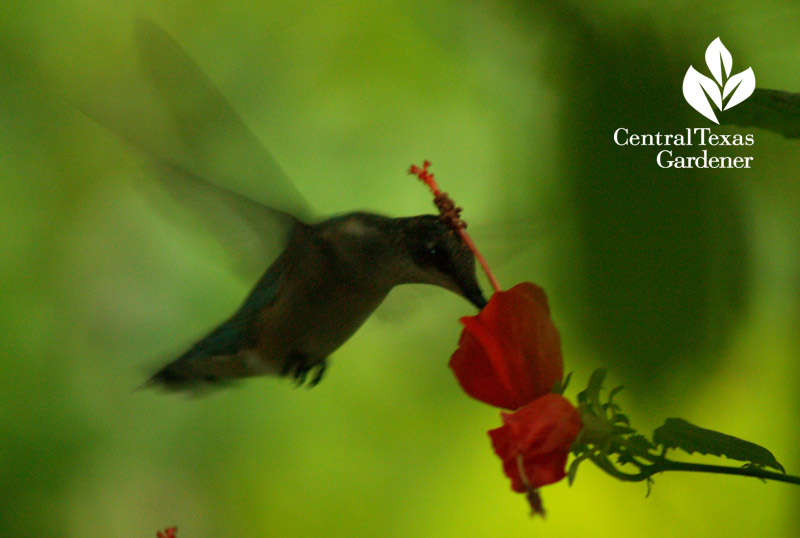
298 366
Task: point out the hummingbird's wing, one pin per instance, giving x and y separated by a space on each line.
196 143
219 142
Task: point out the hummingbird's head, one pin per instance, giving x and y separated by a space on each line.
387 251
437 255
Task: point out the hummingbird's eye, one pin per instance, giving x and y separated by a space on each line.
434 252
436 255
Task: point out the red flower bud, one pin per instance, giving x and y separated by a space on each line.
534 441
510 353
167 533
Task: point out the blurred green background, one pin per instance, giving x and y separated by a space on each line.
685 284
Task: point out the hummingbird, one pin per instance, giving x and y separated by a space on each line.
329 275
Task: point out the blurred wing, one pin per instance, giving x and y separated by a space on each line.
252 232
196 143
220 145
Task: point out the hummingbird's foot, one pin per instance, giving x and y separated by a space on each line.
299 366
321 366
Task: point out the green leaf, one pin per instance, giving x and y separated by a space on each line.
619 418
636 446
614 392
773 110
592 393
677 433
560 387
639 445
573 468
624 458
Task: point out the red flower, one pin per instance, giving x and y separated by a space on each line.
534 443
510 353
168 533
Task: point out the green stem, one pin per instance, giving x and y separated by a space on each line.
756 472
662 464
603 462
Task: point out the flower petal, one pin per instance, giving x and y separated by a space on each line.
534 441
510 353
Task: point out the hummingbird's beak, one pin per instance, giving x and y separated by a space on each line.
474 295
467 286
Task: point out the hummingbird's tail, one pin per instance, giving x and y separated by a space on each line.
216 359
228 353
191 372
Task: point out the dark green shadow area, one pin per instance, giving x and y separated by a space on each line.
662 252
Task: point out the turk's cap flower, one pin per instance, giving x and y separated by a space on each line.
509 354
534 443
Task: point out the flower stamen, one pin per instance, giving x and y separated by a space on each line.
450 214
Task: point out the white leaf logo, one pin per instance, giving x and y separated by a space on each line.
717 57
742 86
693 85
700 91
